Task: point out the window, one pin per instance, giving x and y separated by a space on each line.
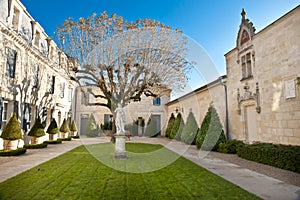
37 39
4 115
36 76
246 64
70 94
26 117
15 20
51 84
156 101
62 90
11 62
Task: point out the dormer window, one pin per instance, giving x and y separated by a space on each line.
37 39
15 20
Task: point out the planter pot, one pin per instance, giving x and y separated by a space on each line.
52 136
10 144
64 135
73 133
34 140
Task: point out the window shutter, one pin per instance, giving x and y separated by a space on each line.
1 111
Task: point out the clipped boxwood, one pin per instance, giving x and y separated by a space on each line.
58 141
16 152
37 129
281 156
177 128
65 139
12 130
211 133
52 128
170 126
230 146
189 131
92 130
35 146
64 127
73 126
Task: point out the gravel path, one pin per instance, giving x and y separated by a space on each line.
280 174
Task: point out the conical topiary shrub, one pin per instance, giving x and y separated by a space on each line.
92 130
52 129
64 128
151 129
170 126
11 133
211 133
177 128
73 128
36 131
189 131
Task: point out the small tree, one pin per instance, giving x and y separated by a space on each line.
151 129
12 130
92 129
37 129
189 131
52 129
177 128
170 126
64 128
73 127
211 133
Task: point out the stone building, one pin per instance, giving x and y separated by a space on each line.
32 70
263 73
262 85
137 112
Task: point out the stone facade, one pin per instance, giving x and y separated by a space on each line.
273 53
32 70
134 111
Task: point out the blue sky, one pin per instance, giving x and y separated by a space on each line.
213 24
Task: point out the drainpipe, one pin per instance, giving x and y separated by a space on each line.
223 81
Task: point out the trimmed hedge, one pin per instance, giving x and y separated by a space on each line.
16 152
92 130
35 146
230 146
75 137
170 126
52 128
58 141
64 127
37 129
281 156
65 139
189 131
12 130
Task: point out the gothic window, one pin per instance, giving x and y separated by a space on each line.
15 20
245 37
11 62
246 65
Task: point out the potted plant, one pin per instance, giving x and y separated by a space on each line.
11 134
52 130
73 128
64 129
36 131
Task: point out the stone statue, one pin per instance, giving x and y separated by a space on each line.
120 120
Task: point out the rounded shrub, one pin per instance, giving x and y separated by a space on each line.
52 128
37 129
12 130
189 131
211 133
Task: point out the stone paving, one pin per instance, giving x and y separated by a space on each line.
263 186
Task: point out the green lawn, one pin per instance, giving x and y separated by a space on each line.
79 175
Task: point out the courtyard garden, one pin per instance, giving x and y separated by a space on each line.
80 174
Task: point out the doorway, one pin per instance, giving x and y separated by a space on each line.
250 124
157 124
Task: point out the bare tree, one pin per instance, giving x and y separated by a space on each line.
124 59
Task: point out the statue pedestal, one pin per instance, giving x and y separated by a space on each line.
120 152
